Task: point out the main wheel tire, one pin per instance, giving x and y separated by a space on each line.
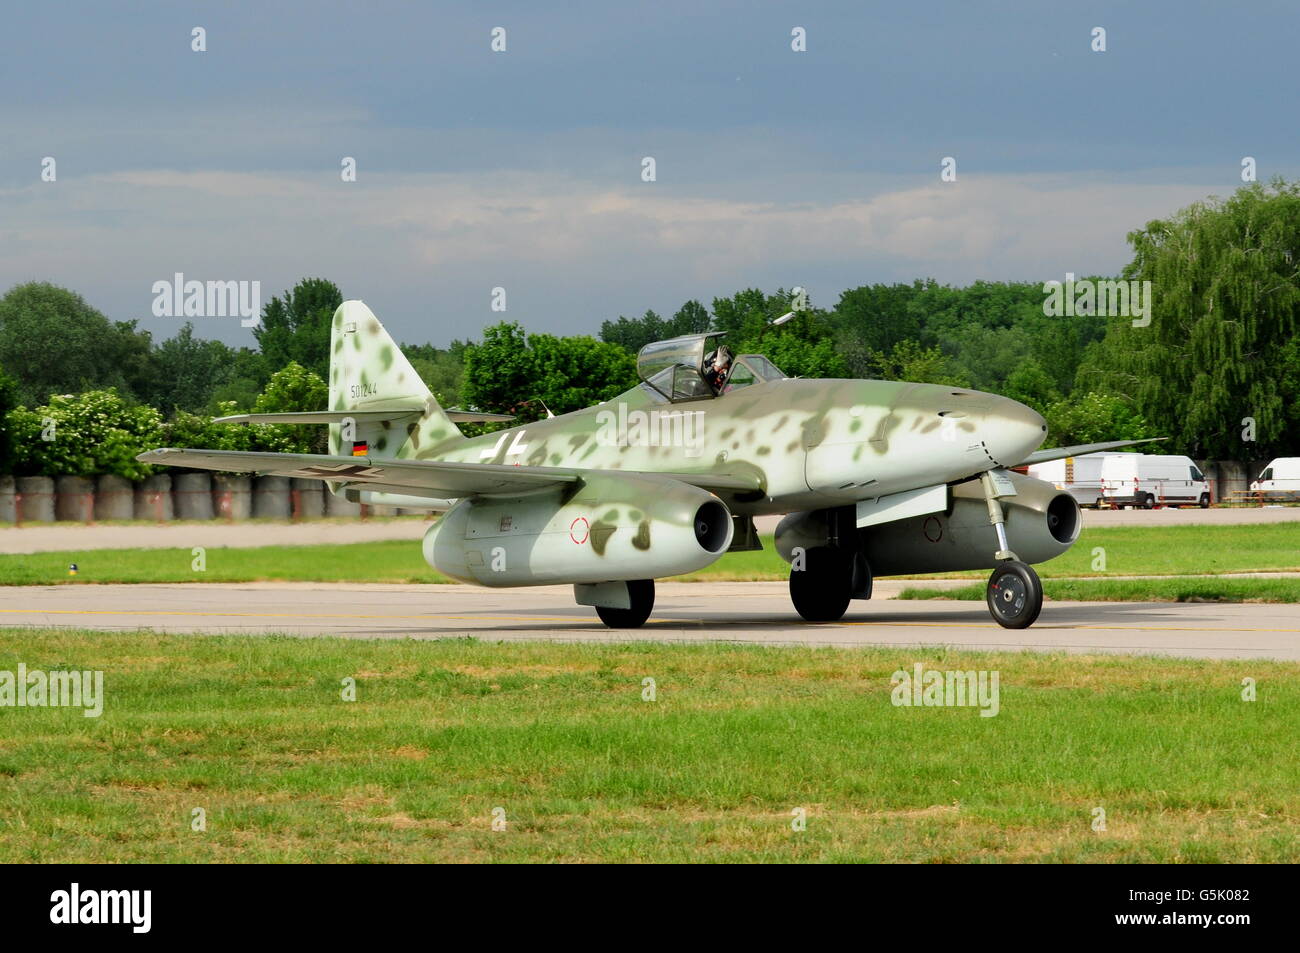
1014 595
822 589
642 594
1205 501
1148 502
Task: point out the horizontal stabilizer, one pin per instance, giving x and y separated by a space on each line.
1060 453
474 417
360 416
323 416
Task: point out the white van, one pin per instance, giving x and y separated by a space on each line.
1150 479
1280 476
1078 476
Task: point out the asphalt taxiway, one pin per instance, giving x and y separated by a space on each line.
748 612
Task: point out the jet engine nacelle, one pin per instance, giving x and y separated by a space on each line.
609 527
1041 523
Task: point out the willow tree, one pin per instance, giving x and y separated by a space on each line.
1225 281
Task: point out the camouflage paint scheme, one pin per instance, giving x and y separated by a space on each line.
801 444
775 446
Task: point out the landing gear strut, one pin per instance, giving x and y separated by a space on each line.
1015 593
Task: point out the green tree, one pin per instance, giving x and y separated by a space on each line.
510 371
691 318
872 319
576 372
441 369
297 327
1093 418
805 346
197 431
1031 385
248 375
295 388
53 342
85 435
186 372
132 353
8 402
1224 278
635 333
909 361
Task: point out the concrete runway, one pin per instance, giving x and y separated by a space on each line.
752 612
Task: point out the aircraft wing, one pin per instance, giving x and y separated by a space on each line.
1060 453
432 478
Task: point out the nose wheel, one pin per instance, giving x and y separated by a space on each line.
1014 595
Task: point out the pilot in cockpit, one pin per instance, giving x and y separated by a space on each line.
717 368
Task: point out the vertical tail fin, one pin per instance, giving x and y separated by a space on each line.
368 371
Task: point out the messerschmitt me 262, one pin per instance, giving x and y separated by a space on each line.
875 477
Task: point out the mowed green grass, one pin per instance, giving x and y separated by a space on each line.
1127 551
1222 589
387 561
558 737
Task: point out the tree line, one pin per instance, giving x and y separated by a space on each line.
1217 369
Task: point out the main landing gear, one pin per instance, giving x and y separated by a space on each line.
1015 593
824 578
641 595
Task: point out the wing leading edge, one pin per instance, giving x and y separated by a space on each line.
1060 453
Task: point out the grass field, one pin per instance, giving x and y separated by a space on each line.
1222 589
254 732
1128 551
388 561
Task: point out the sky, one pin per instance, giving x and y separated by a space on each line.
523 169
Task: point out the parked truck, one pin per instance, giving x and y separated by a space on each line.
1279 481
1078 476
1148 480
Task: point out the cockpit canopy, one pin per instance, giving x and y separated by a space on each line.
676 368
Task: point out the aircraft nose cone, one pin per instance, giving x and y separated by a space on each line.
1012 431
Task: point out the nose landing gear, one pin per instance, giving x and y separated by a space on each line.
1015 593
